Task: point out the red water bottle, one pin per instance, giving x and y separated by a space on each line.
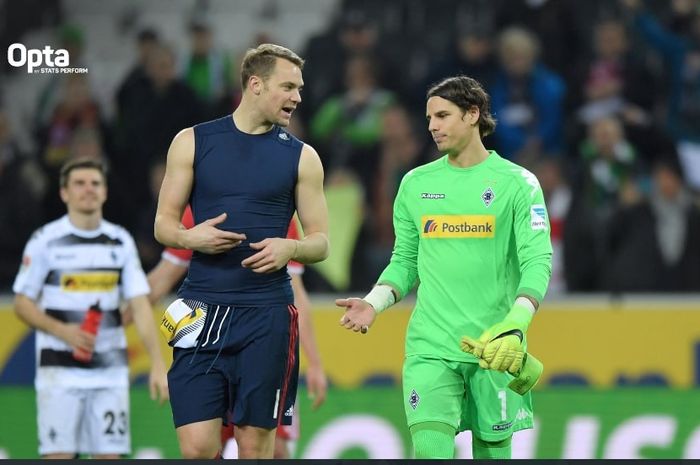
90 324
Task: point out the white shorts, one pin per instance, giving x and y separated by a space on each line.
83 421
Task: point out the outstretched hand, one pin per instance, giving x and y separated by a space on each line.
359 315
207 238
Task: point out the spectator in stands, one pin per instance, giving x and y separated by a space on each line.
137 78
472 55
527 99
207 69
681 55
607 160
613 80
354 33
22 186
69 37
149 120
556 23
348 125
654 242
75 110
149 249
400 151
558 198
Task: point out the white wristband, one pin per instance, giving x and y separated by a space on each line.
380 297
527 303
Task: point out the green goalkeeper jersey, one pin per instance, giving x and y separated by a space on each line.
473 239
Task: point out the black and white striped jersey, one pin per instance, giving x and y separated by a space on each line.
66 270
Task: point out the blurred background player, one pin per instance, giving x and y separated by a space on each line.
170 271
69 265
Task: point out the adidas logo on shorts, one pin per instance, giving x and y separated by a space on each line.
289 412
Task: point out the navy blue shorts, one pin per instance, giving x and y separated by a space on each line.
246 361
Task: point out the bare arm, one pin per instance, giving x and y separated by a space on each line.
146 327
175 190
173 197
316 381
28 311
312 209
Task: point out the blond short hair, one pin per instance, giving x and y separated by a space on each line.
260 61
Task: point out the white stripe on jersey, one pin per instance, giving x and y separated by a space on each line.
66 268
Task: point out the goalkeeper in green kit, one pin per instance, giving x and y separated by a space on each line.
472 231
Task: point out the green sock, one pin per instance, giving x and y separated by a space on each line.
491 449
433 440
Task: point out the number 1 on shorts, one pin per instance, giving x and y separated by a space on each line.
502 396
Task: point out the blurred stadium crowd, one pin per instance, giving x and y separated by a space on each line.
600 99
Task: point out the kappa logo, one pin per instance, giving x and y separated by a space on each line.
522 414
431 196
502 426
530 178
414 399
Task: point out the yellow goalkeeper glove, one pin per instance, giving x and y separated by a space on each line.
525 379
500 347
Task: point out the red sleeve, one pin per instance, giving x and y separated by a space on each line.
293 233
187 218
181 256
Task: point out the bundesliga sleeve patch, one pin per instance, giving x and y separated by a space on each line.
538 217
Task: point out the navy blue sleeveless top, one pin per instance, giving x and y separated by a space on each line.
252 178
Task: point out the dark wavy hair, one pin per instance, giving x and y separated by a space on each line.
466 92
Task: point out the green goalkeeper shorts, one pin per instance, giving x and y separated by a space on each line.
464 396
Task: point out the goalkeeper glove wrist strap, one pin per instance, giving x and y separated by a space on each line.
380 297
521 313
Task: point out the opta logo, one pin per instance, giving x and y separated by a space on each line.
430 226
45 61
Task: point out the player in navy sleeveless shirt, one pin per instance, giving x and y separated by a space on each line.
234 327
